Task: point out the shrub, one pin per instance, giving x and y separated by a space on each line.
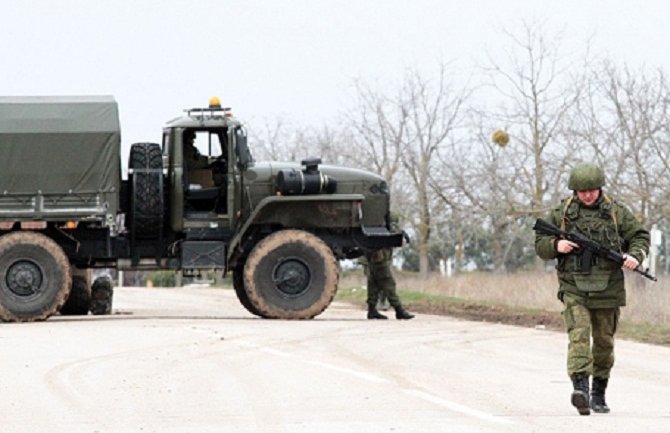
162 278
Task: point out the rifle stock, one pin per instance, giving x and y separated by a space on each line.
589 245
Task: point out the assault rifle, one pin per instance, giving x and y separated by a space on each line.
588 246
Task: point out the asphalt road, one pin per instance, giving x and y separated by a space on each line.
192 360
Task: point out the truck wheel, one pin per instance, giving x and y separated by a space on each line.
102 293
79 301
35 277
291 274
238 285
146 192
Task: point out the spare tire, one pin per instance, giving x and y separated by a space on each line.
35 277
145 185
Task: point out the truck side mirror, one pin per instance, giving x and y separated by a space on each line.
244 158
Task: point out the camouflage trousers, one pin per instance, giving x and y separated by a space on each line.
380 280
583 324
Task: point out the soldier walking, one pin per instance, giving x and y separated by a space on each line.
380 279
592 300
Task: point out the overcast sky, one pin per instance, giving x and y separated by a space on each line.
295 59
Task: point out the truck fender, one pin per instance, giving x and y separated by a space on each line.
272 207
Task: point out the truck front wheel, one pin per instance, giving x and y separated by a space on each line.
291 274
238 285
35 277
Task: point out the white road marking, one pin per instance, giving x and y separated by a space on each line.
451 405
457 407
359 374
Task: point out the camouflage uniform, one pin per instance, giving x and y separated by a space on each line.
192 157
592 301
380 277
380 280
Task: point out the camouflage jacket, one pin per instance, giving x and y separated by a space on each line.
378 258
607 222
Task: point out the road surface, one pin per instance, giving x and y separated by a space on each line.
192 360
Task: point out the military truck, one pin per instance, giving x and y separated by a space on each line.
65 210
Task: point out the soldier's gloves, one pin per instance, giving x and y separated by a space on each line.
406 236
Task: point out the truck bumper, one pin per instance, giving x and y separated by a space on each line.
375 238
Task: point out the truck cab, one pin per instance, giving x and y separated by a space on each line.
199 154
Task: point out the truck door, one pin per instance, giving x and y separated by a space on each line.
240 160
172 151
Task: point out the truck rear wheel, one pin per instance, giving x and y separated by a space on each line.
35 277
146 190
291 274
102 294
238 285
79 301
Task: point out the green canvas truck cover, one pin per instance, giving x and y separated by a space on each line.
59 157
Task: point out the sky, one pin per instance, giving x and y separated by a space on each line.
294 59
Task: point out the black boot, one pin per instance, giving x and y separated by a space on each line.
598 403
580 395
402 314
374 314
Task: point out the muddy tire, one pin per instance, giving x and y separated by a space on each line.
291 274
102 294
35 277
79 301
146 207
238 285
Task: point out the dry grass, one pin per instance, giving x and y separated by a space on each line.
648 302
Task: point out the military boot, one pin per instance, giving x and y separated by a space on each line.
580 395
374 314
598 403
402 314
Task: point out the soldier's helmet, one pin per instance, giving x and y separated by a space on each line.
586 176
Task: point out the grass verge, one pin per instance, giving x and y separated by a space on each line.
497 312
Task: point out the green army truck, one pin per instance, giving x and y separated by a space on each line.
195 202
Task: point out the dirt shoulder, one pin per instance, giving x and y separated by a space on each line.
490 313
469 310
498 313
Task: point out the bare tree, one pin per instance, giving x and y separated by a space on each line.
378 124
406 131
282 141
271 140
625 120
538 87
434 112
497 189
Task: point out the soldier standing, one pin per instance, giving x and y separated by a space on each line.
592 301
380 279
